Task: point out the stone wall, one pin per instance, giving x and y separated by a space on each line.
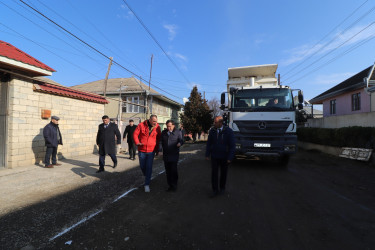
363 120
79 122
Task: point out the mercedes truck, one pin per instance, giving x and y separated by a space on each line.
261 113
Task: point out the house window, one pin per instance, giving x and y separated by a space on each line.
332 107
356 101
132 108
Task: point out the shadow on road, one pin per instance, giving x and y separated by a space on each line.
35 224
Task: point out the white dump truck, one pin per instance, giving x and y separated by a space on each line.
261 112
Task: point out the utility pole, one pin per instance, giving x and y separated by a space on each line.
204 95
145 101
106 76
119 108
149 82
278 79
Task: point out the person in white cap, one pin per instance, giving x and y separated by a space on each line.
53 138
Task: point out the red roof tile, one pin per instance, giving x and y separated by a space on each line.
11 52
68 92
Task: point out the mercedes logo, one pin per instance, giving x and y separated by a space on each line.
262 125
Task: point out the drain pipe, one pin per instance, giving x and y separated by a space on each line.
367 81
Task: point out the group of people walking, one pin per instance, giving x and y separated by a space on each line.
149 140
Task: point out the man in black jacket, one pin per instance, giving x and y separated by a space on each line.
170 143
129 131
108 135
52 137
220 149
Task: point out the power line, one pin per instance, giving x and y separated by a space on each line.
336 57
156 41
322 40
47 49
79 39
88 45
334 49
48 31
101 33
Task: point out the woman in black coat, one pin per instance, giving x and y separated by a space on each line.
106 139
170 143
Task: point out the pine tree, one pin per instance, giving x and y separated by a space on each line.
197 115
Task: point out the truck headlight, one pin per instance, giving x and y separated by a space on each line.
235 127
290 148
292 128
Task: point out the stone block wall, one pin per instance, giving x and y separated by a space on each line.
79 122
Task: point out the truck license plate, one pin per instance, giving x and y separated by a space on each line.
262 145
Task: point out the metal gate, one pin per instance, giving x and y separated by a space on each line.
3 121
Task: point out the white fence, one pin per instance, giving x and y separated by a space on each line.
362 119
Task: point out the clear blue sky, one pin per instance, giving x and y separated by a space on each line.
203 38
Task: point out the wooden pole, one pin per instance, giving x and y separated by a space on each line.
119 107
106 76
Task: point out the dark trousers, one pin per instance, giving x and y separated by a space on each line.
51 151
145 163
102 160
172 174
132 149
217 164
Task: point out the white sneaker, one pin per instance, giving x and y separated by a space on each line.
147 189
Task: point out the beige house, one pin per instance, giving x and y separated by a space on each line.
27 101
138 100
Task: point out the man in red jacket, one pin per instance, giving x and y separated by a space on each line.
146 137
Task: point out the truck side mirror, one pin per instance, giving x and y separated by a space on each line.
222 98
300 106
300 97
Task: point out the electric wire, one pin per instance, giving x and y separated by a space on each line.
336 57
101 33
49 50
90 46
306 53
328 53
82 41
49 32
156 41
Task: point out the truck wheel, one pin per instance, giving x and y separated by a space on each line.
284 160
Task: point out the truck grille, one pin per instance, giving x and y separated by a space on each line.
260 128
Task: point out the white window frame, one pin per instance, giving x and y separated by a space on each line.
132 108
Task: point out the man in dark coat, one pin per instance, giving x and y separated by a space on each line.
108 135
53 138
220 147
129 131
183 132
170 143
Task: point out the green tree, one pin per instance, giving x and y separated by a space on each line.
196 117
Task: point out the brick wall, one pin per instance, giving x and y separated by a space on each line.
79 122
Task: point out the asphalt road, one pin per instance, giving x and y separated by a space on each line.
318 202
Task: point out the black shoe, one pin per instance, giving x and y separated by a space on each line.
214 194
114 165
130 158
171 189
100 170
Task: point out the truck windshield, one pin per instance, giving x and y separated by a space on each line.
266 99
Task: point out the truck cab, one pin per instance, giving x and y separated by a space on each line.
261 113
